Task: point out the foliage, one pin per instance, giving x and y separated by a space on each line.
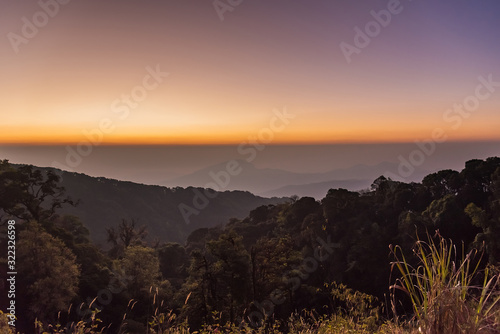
360 307
275 261
30 194
124 235
4 324
48 271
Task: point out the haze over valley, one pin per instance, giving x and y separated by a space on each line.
277 170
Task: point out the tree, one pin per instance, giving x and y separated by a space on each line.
141 263
48 272
125 235
218 280
273 260
488 220
442 183
174 262
340 206
447 216
197 294
144 282
30 194
260 213
477 181
302 208
231 272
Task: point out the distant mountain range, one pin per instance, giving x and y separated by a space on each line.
318 190
282 183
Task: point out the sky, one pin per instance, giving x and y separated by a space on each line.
122 72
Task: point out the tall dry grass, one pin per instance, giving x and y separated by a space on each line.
448 294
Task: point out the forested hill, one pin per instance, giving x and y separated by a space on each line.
301 255
278 246
463 206
170 214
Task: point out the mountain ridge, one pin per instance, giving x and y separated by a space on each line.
104 202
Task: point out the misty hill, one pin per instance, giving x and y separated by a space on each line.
105 202
277 182
319 189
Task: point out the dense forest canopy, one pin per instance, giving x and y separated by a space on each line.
283 258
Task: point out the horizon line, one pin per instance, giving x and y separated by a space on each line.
277 143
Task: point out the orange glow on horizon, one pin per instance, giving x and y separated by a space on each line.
296 137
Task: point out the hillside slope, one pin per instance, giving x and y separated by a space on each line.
105 202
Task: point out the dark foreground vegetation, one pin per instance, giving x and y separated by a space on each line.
399 257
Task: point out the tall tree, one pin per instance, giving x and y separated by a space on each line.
124 235
231 271
48 271
142 265
30 194
488 220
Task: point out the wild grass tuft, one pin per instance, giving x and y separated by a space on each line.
442 291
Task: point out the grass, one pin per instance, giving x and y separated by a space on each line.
441 287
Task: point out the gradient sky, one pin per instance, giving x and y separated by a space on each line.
226 77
